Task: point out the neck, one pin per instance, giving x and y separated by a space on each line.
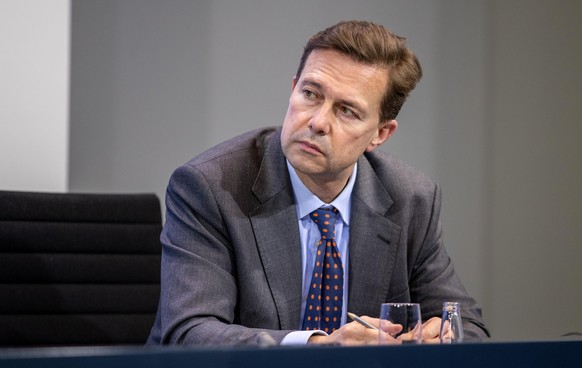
325 188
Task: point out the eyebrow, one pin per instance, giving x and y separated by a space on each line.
311 82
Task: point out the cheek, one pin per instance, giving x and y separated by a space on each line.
290 124
354 146
289 117
296 118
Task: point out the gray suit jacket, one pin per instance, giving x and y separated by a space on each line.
231 262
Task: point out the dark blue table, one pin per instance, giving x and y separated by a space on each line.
486 354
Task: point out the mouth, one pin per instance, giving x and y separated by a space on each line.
310 148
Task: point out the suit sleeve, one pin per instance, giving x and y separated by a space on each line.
198 298
433 278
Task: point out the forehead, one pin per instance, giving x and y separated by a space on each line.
346 76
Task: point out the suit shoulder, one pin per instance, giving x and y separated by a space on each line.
231 165
251 143
398 176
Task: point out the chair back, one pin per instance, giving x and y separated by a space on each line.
78 269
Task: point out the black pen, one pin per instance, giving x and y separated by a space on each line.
361 321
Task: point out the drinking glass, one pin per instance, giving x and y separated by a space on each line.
451 325
400 323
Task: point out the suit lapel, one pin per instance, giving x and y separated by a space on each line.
276 231
372 245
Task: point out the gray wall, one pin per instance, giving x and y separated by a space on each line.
534 173
494 120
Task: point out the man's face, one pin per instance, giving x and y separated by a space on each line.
334 116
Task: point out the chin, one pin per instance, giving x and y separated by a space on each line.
307 168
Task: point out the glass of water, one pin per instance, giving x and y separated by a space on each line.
400 323
451 325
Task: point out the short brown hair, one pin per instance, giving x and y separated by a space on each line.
371 43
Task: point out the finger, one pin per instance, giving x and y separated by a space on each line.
388 332
354 333
387 339
389 327
434 340
373 321
446 330
431 328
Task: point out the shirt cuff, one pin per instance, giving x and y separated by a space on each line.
300 337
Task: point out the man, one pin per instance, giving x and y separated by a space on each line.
244 254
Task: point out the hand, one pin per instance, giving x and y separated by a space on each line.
431 331
352 334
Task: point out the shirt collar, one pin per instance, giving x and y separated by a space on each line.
308 202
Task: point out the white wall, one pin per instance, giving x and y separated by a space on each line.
34 87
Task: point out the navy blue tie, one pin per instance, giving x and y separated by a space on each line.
323 309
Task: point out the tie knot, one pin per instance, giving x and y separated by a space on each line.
325 221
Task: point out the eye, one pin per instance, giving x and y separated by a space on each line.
310 95
347 111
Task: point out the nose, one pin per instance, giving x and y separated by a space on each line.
321 120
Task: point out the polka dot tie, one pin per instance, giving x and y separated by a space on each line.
323 309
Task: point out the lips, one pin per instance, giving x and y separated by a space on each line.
310 147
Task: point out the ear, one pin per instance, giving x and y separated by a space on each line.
293 83
386 129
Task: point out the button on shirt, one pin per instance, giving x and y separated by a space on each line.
307 202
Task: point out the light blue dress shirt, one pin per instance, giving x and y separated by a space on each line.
307 202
